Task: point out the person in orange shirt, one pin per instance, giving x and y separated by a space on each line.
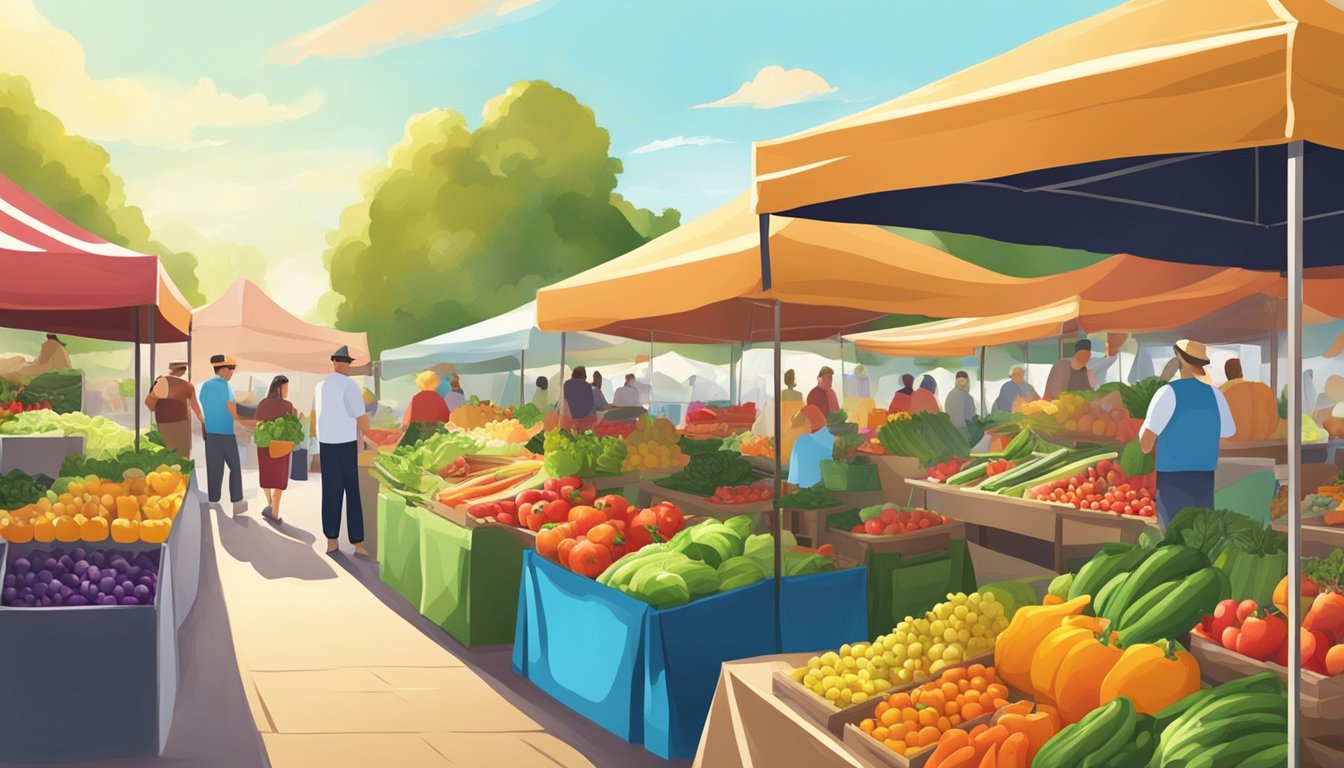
427 407
925 399
900 402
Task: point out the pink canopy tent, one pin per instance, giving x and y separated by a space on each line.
263 336
63 279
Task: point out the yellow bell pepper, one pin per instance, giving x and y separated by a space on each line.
94 529
1050 653
67 530
125 531
155 531
1015 646
128 508
1153 676
43 530
1078 683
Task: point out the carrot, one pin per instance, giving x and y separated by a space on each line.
962 758
951 741
1014 752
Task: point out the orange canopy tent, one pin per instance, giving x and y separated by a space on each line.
705 282
263 336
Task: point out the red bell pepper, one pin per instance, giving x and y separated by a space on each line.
1261 636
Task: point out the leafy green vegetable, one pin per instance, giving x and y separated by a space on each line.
147 460
929 437
103 438
287 427
1283 403
1327 572
417 432
837 417
1134 462
585 455
63 389
1138 395
706 472
18 489
537 444
816 497
692 446
1208 530
527 415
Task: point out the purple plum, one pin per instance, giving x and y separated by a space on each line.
40 589
106 585
118 592
28 599
56 599
129 600
65 592
77 600
70 580
29 579
97 558
81 567
11 580
21 565
93 573
78 553
142 592
9 595
44 575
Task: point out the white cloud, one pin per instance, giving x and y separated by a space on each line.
775 86
148 111
659 145
381 25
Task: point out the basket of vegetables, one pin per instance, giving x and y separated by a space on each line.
279 436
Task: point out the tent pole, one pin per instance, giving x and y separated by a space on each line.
982 380
777 520
190 332
732 369
522 377
376 368
1294 269
563 336
153 348
135 404
840 396
651 373
1274 362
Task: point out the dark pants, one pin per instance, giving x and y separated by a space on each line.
340 477
1178 490
222 451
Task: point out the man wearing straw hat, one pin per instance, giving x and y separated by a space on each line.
339 427
173 400
1185 421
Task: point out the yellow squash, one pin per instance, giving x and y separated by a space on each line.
1014 648
1050 653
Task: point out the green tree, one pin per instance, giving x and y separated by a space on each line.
462 224
73 176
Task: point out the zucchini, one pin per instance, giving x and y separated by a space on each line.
1066 471
1024 471
973 471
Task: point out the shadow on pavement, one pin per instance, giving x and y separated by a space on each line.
495 666
272 553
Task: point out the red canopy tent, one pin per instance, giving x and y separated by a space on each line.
63 279
60 278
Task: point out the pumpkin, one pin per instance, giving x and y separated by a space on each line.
1153 676
1254 409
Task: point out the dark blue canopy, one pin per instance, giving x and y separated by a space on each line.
1217 208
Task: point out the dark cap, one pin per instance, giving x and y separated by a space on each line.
342 355
223 361
1083 345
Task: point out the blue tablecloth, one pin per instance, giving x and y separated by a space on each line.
823 611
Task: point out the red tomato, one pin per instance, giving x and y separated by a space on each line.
873 527
589 559
670 520
506 518
556 511
613 506
606 535
562 551
642 528
548 543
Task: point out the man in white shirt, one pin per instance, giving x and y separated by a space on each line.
339 427
626 396
1185 421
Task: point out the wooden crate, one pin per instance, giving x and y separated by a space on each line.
1322 696
869 748
834 719
856 546
459 515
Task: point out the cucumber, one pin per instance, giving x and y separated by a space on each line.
1177 611
1104 603
1239 749
1113 559
1066 471
970 473
1023 471
1168 563
1144 604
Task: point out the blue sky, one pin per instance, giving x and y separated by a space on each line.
275 170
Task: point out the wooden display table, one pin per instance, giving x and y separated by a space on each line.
1318 539
1072 532
1312 453
650 493
459 515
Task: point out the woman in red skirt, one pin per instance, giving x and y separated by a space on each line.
273 472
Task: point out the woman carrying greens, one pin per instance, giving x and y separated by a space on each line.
273 470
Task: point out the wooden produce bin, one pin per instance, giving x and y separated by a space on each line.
1072 533
854 547
650 493
1322 696
894 474
37 454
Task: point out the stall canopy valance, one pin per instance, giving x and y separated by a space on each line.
249 325
502 343
703 282
1155 128
63 279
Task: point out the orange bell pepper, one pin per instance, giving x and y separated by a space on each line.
1014 752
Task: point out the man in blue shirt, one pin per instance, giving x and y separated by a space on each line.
1185 421
221 446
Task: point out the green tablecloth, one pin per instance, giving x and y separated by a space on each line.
399 546
908 586
470 579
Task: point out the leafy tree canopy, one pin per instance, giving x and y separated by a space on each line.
461 225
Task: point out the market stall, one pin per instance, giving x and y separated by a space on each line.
1127 142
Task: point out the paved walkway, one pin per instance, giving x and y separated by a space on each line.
339 671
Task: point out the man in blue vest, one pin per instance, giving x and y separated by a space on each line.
1186 419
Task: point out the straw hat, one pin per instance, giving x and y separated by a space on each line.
1193 351
222 361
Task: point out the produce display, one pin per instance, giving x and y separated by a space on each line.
1102 416
929 437
652 444
1058 464
706 471
909 723
499 433
540 502
944 471
414 468
1102 488
494 481
474 413
1257 632
620 429
14 406
388 439
1018 732
528 415
60 391
748 444
139 507
1328 572
891 520
720 421
103 438
743 494
286 428
590 539
961 629
585 455
101 577
816 497
18 489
